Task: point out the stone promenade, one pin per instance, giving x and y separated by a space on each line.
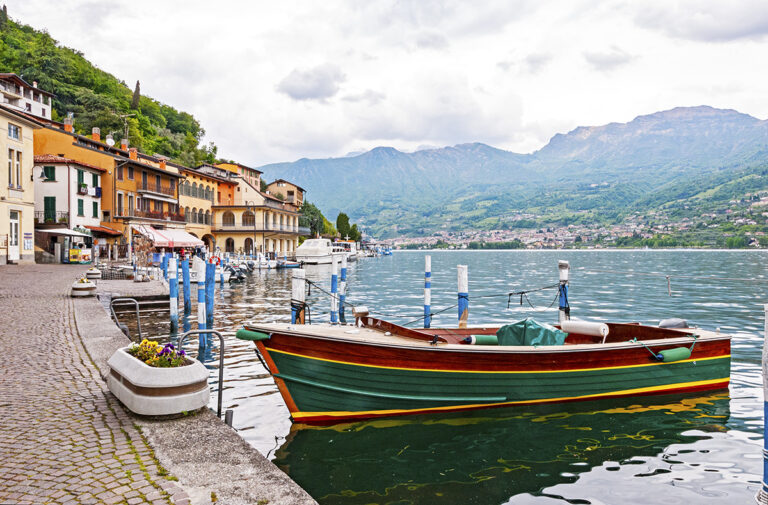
63 437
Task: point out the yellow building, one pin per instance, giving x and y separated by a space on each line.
17 188
254 220
201 188
286 191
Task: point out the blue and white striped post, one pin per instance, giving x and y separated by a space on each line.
334 289
185 286
463 293
173 290
164 263
427 291
200 268
221 277
298 292
565 310
210 284
762 495
342 288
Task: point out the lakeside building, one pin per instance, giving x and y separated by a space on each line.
18 94
17 187
254 220
201 189
287 191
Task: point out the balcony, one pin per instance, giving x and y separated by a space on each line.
151 214
51 219
258 228
159 189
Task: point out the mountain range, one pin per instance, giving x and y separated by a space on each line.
590 173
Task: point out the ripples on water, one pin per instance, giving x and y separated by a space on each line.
670 449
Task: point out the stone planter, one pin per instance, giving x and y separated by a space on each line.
154 391
83 289
93 273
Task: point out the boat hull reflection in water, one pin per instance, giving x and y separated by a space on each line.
491 455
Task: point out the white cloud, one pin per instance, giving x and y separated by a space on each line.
318 83
324 78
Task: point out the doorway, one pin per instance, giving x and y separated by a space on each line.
13 237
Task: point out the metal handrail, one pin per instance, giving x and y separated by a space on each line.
221 357
138 316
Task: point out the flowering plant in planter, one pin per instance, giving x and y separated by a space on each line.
151 353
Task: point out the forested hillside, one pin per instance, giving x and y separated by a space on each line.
97 98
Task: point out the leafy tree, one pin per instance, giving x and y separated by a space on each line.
263 185
354 233
342 225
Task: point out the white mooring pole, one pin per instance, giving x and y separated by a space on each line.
762 495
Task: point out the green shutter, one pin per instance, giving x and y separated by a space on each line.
49 209
80 177
80 210
95 180
95 209
50 173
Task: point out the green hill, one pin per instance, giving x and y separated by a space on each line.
97 98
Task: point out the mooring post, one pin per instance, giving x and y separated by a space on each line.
427 291
463 295
221 277
186 287
200 268
762 495
565 309
164 266
210 284
298 292
173 290
334 289
342 288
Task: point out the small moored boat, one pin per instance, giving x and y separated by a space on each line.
330 373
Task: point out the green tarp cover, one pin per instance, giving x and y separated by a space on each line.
530 332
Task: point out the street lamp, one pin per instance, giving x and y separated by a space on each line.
252 204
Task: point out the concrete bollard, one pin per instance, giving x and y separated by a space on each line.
564 269
342 288
334 290
210 284
463 295
427 291
185 286
298 292
173 289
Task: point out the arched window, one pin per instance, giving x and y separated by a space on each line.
201 217
207 217
248 218
228 219
194 189
187 216
193 217
249 246
229 245
208 192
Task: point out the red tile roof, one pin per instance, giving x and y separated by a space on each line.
60 160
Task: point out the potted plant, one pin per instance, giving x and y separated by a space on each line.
83 287
93 273
155 380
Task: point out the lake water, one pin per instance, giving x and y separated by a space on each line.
701 448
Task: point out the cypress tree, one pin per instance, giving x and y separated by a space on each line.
136 96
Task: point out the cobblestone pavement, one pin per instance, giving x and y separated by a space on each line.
63 437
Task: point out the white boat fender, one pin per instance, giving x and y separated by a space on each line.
586 328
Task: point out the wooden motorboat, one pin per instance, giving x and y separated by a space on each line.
330 373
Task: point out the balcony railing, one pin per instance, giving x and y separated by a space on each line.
269 227
158 188
58 217
151 214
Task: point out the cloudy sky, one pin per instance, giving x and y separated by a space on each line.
278 81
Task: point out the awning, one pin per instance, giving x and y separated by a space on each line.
168 238
105 230
63 231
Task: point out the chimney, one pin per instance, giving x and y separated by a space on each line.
96 134
162 164
133 153
68 124
124 144
34 84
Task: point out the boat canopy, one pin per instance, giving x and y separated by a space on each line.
530 332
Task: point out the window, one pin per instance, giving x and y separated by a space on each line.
173 186
28 107
95 179
157 206
248 218
119 170
144 180
228 219
18 169
80 205
49 209
158 184
43 112
80 178
10 167
96 209
120 204
50 173
130 172
130 202
105 216
14 131
193 217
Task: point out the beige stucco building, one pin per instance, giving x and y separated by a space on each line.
17 188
